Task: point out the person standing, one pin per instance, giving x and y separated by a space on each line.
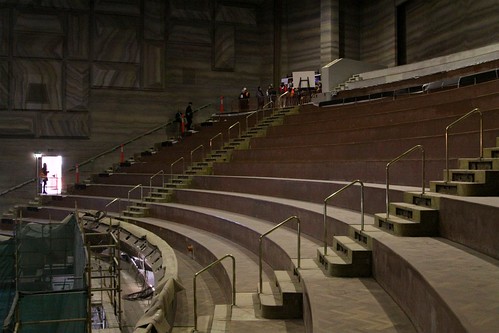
44 175
260 96
188 116
244 100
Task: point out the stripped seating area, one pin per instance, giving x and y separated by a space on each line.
322 240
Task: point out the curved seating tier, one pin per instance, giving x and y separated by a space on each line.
418 283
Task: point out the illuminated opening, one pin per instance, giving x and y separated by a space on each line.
54 177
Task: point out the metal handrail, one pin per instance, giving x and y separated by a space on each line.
233 285
420 147
281 96
141 193
361 208
111 202
255 113
156 174
213 138
155 129
232 126
475 110
192 151
260 251
178 160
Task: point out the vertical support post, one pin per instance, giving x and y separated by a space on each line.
122 154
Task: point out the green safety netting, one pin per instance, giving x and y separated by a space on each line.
51 285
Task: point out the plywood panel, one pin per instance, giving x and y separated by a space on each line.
38 45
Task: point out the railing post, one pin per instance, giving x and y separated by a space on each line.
205 269
423 180
338 192
260 250
475 110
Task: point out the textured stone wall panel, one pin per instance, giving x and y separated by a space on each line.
154 19
17 124
4 85
123 7
115 76
439 28
4 32
188 34
77 85
64 124
115 39
78 36
224 48
153 68
37 84
199 10
378 33
38 45
236 15
66 4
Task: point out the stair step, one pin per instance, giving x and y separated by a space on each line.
426 200
413 212
404 227
282 300
340 265
479 163
465 188
492 152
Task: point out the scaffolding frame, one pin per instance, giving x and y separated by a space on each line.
110 282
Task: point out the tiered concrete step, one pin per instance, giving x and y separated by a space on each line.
346 258
159 195
283 299
140 209
408 219
475 177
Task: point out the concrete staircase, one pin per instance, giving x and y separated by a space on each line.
475 176
416 216
204 167
347 257
282 299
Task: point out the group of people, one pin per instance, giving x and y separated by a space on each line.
294 96
184 120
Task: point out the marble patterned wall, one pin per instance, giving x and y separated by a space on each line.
438 28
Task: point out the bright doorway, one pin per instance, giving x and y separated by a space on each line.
54 167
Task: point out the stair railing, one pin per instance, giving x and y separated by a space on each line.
177 161
475 110
205 269
133 189
221 140
160 172
333 195
238 124
260 251
196 149
110 203
420 147
255 113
